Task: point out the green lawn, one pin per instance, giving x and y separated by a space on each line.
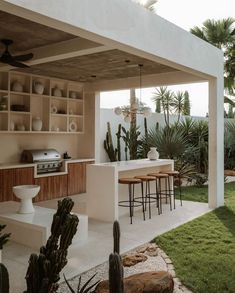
203 250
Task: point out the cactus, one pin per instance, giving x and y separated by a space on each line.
116 237
115 263
126 139
108 145
3 237
4 279
118 134
115 274
44 270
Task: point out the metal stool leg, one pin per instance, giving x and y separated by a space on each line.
148 192
168 190
143 201
171 191
180 191
130 201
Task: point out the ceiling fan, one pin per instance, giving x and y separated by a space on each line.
15 61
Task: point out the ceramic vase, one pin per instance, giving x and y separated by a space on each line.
153 154
17 87
37 124
38 87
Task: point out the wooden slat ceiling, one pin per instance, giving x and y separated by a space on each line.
107 65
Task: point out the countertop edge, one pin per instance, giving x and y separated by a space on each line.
27 165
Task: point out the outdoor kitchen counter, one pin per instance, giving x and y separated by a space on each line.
103 190
64 169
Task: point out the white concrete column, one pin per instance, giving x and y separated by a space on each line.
216 142
97 127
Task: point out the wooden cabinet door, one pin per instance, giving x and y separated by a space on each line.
43 194
77 177
12 177
58 186
51 187
23 176
6 183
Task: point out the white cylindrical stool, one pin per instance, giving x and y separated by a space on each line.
26 193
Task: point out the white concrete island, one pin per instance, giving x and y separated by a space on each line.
103 190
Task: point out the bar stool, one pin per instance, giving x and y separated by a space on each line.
148 197
175 174
166 192
132 202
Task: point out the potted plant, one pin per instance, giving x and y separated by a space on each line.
3 239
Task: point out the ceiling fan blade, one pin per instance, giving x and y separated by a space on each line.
17 64
25 57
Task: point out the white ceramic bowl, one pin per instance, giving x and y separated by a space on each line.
26 193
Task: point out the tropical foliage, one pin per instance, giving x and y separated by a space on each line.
168 102
221 33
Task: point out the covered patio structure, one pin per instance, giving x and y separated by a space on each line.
89 41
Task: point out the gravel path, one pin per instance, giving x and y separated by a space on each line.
157 262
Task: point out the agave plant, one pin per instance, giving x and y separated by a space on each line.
170 142
86 288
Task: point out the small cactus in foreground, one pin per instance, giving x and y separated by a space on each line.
4 279
115 273
115 263
116 237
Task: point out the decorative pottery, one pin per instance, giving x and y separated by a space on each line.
38 87
57 92
25 193
3 104
20 127
153 154
53 109
73 95
17 86
12 125
37 124
73 126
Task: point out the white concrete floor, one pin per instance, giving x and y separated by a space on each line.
97 248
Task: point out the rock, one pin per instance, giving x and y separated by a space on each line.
149 282
131 260
150 249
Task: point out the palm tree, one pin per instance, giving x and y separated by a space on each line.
166 98
178 104
221 33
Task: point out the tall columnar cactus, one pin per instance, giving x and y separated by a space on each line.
115 263
108 145
118 134
44 270
4 279
115 274
116 237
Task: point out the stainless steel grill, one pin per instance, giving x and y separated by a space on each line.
47 160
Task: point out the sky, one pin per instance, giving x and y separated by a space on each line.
186 14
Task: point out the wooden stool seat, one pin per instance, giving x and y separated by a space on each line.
145 177
159 175
129 181
132 201
172 173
